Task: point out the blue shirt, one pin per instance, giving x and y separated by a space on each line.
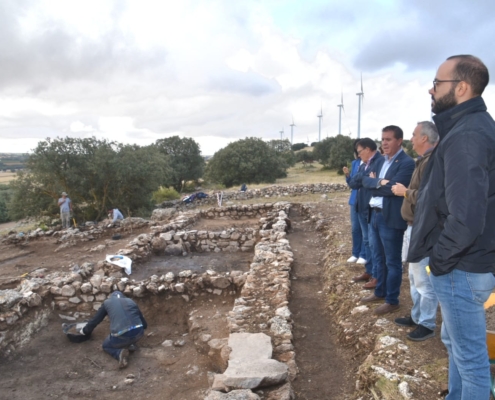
354 170
117 215
65 206
378 201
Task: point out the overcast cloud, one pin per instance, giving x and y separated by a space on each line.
218 70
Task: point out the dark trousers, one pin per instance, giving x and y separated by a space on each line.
113 345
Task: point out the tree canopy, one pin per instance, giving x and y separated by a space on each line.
335 152
249 160
97 175
185 158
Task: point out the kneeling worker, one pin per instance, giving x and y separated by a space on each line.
115 214
127 326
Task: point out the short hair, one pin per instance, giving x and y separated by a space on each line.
367 143
471 69
429 130
398 134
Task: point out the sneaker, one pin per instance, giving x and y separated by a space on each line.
420 333
123 358
352 259
361 261
405 321
132 348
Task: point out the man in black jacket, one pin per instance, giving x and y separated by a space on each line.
454 220
127 325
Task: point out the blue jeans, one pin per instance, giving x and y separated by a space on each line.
113 345
358 249
425 302
363 222
386 248
461 296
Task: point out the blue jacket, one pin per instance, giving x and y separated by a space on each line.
354 170
124 315
356 182
400 171
454 219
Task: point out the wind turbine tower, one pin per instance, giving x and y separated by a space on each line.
292 131
341 107
320 116
361 97
282 134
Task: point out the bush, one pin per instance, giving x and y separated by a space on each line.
164 194
298 146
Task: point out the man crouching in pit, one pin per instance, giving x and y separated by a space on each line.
127 326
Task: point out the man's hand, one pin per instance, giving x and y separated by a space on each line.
383 182
399 189
372 175
346 171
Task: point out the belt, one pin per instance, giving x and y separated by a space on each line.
120 333
376 209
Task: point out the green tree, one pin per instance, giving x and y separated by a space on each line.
97 175
284 150
408 146
305 156
185 159
298 146
341 153
249 160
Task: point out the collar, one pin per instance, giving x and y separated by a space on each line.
446 120
427 152
394 156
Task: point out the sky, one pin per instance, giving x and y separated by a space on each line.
135 71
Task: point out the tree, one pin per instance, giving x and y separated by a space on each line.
408 146
96 174
298 146
284 150
305 156
249 160
341 153
185 159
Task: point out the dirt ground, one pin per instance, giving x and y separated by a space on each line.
52 367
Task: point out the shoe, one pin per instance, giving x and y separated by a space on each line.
361 261
371 284
363 277
371 299
405 321
132 348
386 308
123 358
420 333
352 259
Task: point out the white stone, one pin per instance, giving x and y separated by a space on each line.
359 309
243 394
168 343
250 346
169 277
251 375
404 390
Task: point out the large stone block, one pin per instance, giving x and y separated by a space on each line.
250 375
243 394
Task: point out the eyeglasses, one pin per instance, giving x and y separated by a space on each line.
359 151
435 81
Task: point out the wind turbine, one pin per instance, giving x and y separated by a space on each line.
361 97
341 107
320 116
292 131
282 134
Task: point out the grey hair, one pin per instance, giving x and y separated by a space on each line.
429 130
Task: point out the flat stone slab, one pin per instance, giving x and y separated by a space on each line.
251 375
234 395
250 346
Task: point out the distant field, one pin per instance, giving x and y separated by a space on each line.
6 177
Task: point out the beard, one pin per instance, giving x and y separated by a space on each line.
444 103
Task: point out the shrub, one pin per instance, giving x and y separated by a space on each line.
164 194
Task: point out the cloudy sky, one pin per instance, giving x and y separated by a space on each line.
136 71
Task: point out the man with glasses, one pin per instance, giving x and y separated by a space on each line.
454 220
366 150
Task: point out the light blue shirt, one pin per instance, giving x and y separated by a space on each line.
117 215
65 206
378 201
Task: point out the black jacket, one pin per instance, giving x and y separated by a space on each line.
454 219
123 312
363 197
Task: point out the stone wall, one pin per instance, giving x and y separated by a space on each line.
267 192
